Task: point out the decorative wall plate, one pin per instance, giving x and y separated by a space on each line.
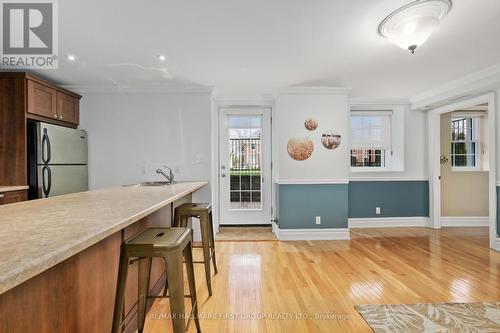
330 140
299 148
311 124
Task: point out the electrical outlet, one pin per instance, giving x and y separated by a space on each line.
377 210
318 219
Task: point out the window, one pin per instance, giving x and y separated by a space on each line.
465 142
371 142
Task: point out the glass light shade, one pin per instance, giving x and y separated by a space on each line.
410 26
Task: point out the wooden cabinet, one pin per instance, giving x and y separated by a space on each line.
13 196
42 100
53 104
25 97
68 108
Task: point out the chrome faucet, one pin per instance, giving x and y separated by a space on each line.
170 176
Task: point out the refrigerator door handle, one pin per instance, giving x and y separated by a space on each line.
46 152
46 185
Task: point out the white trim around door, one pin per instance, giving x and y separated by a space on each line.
435 167
221 103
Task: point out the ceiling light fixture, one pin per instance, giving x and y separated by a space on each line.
411 25
161 57
71 57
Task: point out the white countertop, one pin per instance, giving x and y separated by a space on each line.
13 188
36 235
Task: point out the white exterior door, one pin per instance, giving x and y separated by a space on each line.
245 165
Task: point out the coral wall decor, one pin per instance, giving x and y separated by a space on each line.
330 140
311 124
300 148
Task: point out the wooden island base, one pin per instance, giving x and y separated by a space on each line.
77 295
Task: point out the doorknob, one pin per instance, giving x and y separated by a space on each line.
223 167
223 175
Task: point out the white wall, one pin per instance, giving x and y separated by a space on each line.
497 147
332 113
131 135
415 149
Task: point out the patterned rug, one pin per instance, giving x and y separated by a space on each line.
444 317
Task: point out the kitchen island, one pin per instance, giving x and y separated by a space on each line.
59 256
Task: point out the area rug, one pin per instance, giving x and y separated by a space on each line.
443 317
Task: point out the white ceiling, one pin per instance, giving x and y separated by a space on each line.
268 44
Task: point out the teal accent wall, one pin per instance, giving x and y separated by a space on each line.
395 198
299 204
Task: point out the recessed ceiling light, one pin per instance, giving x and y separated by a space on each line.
71 57
161 57
410 26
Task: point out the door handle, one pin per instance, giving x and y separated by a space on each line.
223 175
46 185
46 151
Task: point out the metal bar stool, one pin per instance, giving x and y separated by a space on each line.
172 244
203 212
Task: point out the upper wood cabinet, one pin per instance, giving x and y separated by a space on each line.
68 108
49 103
42 100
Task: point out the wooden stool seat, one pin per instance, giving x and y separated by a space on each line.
191 207
202 211
172 244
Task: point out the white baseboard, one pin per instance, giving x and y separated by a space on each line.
497 244
389 222
312 234
465 221
275 228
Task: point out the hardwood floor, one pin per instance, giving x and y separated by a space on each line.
316 284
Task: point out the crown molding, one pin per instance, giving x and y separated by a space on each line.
387 179
360 102
473 84
251 100
138 89
315 91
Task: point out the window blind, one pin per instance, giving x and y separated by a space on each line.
371 129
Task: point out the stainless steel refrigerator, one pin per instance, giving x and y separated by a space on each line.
57 160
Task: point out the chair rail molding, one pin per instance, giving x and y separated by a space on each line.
311 181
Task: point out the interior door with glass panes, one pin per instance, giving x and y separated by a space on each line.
245 165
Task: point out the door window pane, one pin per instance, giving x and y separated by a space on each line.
245 134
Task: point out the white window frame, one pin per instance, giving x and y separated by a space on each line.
387 159
394 158
476 129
